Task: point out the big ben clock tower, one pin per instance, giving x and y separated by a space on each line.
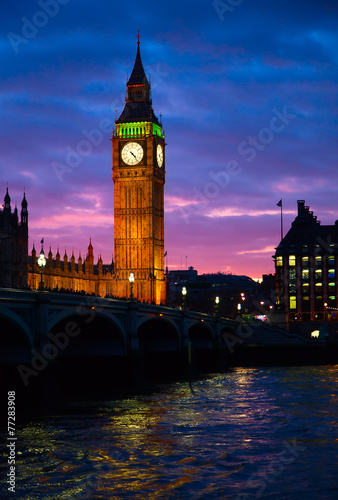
139 176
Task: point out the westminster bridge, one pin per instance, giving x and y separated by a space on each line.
38 327
83 325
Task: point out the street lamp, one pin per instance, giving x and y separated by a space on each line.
42 265
184 293
131 281
216 306
239 307
325 312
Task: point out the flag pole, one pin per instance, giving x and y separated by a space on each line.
280 204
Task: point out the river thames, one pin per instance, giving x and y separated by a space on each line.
244 434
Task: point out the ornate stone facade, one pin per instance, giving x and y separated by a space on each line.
68 275
13 244
139 176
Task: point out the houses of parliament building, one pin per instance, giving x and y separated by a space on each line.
139 175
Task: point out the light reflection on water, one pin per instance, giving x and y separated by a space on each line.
249 433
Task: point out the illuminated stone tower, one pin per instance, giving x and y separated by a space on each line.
139 176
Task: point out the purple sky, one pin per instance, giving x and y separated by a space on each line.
248 94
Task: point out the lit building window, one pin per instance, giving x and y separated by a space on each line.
318 261
304 248
332 273
305 274
332 284
305 261
332 297
279 261
331 260
318 274
293 302
292 260
292 274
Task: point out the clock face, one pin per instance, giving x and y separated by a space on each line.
159 155
132 153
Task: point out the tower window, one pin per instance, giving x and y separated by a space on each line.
279 261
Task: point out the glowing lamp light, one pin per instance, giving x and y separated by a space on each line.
184 293
131 281
216 306
315 334
42 260
42 264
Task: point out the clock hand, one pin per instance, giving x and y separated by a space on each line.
133 154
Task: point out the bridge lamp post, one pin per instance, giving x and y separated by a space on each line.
184 293
217 306
239 307
131 281
42 265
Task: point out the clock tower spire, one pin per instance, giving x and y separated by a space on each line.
139 177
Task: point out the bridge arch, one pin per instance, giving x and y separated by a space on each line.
201 335
16 339
228 336
90 332
158 334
